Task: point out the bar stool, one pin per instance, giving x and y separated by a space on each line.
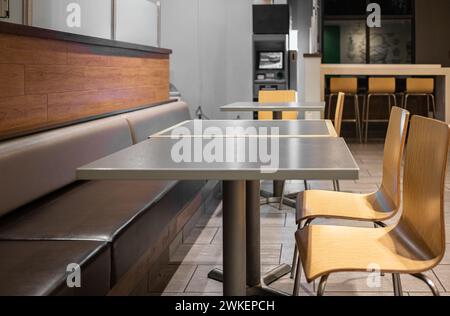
349 86
421 87
384 87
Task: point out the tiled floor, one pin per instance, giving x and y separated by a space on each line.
202 250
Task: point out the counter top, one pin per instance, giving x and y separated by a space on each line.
383 69
24 30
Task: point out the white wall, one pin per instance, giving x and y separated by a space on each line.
95 16
137 22
15 12
301 11
211 40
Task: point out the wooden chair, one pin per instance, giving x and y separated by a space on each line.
349 86
376 207
414 245
270 96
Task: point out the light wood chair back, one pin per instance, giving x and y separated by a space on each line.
420 85
381 85
423 186
393 154
339 113
271 96
346 85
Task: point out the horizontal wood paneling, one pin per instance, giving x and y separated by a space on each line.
27 51
75 105
11 80
44 82
21 112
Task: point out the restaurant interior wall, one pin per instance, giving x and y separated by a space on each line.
211 64
432 26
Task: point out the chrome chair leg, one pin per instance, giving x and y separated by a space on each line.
282 195
298 276
358 118
294 259
406 101
296 254
367 117
433 105
428 282
330 97
398 291
322 285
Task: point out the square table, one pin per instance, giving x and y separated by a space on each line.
158 158
233 128
303 108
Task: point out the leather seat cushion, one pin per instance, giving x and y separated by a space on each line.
36 165
131 215
155 119
31 268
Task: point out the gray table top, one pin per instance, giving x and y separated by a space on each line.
323 158
276 106
233 128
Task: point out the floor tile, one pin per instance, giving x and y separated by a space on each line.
173 278
443 274
199 235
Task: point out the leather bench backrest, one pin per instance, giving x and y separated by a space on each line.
155 119
33 166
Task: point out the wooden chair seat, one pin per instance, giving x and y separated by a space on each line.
329 249
331 204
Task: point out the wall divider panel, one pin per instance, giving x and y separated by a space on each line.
50 78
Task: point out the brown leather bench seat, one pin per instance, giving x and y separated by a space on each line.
40 267
44 206
130 215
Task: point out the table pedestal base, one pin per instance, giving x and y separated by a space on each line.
268 198
263 288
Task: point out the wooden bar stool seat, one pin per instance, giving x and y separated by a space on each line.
348 86
378 87
421 87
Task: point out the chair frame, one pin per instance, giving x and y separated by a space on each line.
357 119
366 111
428 96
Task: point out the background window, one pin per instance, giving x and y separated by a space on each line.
347 38
391 43
344 42
95 16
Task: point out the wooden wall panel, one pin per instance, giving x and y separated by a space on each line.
26 50
23 112
75 105
11 80
44 82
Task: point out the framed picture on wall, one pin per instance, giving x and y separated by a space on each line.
4 8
